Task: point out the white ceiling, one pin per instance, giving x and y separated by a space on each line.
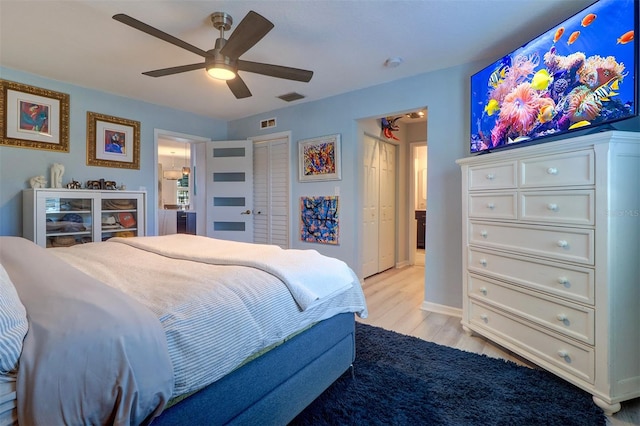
345 43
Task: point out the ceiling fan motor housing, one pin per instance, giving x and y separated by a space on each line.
221 21
215 57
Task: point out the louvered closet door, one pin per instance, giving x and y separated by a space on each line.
271 192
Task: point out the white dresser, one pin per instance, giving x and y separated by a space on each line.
551 242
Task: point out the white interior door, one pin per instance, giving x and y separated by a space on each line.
229 188
387 207
379 206
271 192
371 187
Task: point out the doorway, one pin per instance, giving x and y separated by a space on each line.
418 188
184 148
405 238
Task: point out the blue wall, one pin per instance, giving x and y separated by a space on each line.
17 165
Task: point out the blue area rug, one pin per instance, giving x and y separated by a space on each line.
403 380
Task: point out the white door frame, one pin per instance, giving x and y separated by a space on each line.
413 225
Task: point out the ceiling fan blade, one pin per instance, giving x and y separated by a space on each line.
138 25
239 88
174 70
248 32
275 71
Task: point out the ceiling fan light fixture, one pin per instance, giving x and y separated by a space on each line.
221 72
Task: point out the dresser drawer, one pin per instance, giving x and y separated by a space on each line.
572 168
570 207
572 244
493 205
571 282
495 176
569 319
574 358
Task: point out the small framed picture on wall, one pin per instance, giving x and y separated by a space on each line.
112 141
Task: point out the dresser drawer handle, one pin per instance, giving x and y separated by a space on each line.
484 317
564 281
564 355
563 244
490 176
491 206
483 290
562 317
483 262
553 207
552 171
484 233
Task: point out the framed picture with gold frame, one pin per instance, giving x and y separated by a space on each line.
33 117
112 141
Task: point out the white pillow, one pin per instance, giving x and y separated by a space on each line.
13 324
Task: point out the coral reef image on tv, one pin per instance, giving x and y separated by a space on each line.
582 73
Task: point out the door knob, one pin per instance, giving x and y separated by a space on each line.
246 212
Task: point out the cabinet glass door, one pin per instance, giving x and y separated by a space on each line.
119 218
69 221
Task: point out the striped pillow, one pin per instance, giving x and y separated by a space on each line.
13 324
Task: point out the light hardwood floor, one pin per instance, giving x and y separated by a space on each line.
394 299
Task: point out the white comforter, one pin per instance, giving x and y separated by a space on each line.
310 276
214 316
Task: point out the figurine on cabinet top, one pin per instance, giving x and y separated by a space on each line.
57 170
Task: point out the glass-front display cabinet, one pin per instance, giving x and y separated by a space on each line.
65 217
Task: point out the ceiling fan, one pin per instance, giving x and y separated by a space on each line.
223 61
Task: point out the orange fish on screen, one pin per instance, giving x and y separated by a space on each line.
559 33
573 37
626 37
588 19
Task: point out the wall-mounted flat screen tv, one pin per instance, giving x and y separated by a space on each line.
581 74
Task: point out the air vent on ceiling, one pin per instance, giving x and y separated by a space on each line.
292 96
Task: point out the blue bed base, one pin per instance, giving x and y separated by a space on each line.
277 386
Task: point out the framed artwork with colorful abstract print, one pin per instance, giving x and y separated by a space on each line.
319 219
319 158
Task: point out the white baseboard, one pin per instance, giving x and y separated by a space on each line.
402 264
441 309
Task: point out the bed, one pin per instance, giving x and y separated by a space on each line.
168 330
